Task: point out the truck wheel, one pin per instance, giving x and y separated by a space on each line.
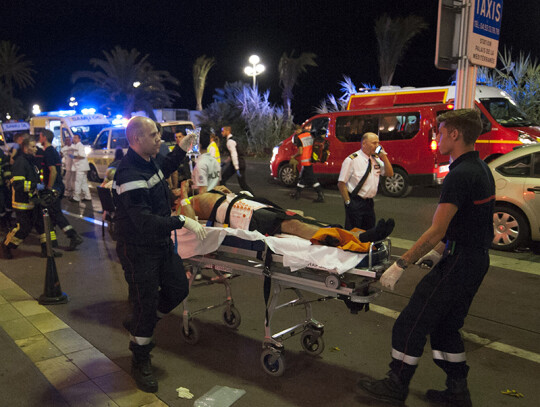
397 185
510 229
93 175
288 175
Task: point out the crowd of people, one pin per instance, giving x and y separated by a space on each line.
149 208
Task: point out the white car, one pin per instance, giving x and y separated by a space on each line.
102 150
516 220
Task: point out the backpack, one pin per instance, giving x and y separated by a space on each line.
321 149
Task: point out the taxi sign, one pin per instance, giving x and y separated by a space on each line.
484 32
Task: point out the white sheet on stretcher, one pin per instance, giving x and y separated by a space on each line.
297 252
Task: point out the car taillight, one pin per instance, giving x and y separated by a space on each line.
450 106
433 145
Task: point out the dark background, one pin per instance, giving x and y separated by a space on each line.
60 37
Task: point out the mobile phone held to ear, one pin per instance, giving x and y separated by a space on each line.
378 149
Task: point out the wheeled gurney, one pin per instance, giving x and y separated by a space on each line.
285 262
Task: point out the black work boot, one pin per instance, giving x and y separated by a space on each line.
74 240
141 367
295 194
6 252
388 389
320 197
44 251
457 394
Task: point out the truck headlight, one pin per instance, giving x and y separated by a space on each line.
526 138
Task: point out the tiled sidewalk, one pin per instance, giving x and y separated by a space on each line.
81 374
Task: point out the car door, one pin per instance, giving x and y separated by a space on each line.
100 155
531 196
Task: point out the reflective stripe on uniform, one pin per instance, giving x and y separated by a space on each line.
27 186
410 360
140 340
449 357
23 206
130 186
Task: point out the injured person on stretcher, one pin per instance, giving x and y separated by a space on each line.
222 207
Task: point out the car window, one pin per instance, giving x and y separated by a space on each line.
536 167
401 126
352 128
101 141
118 139
520 167
168 132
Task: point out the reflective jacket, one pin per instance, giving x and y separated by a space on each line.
141 196
305 140
25 177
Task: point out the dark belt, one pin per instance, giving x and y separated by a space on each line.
359 198
452 247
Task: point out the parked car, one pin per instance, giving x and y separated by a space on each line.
102 151
516 221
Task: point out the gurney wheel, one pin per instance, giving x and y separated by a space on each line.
312 343
332 281
193 336
273 362
233 319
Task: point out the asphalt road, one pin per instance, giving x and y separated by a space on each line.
502 330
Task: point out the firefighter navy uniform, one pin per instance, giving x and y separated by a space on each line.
24 181
152 268
442 299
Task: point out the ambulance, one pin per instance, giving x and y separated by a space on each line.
67 123
406 123
9 130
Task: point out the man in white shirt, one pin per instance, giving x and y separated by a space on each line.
69 177
237 163
81 168
207 171
359 179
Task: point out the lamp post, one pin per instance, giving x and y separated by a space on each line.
36 110
255 68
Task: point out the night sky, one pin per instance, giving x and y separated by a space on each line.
60 37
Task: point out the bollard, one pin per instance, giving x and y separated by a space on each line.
52 293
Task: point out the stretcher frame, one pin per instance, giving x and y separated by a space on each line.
353 287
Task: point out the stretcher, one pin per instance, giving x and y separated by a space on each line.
285 262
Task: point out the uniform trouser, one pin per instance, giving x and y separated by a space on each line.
58 218
81 186
307 178
26 220
69 182
229 171
360 213
438 308
157 284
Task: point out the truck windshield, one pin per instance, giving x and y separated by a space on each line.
506 113
88 133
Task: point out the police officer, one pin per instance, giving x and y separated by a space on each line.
237 163
304 141
52 177
359 180
462 231
26 185
152 268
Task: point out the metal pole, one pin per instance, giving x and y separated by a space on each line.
466 73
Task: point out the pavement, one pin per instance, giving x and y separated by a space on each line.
76 354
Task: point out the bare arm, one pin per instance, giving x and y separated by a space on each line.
52 176
432 237
342 186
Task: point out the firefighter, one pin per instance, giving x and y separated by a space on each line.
152 268
459 238
26 186
5 179
52 177
304 141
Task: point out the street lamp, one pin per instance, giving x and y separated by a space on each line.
73 102
136 84
36 110
255 68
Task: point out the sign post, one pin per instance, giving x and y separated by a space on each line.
467 36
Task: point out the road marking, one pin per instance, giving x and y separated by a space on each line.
523 266
498 346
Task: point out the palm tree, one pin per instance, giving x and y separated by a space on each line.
393 36
289 70
128 81
200 70
14 71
